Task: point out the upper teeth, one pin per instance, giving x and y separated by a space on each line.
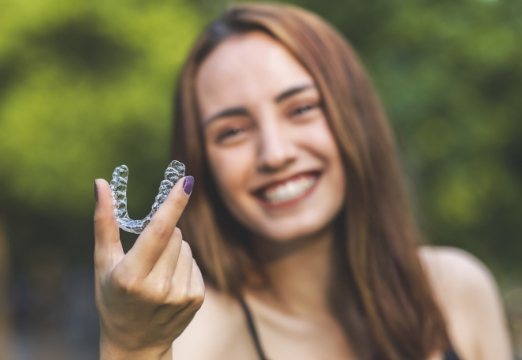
289 190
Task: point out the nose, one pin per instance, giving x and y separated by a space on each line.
276 148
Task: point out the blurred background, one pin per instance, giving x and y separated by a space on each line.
88 85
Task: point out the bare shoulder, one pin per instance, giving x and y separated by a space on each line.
214 330
450 266
469 299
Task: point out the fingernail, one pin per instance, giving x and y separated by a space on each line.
95 191
188 184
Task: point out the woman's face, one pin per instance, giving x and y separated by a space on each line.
272 154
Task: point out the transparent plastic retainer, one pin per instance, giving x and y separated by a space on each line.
120 176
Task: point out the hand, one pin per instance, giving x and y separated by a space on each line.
146 297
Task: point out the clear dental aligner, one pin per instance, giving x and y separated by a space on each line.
120 176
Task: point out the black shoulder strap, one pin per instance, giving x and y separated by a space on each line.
252 329
451 355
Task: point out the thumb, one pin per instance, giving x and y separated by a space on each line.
157 234
107 244
178 198
167 216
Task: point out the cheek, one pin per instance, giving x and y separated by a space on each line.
320 137
230 168
324 145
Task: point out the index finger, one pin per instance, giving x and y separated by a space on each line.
107 245
153 240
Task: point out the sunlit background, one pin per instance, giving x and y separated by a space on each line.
88 85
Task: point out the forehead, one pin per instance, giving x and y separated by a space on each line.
245 70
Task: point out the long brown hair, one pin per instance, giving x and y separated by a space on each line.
379 293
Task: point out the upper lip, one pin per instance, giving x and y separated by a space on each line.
277 181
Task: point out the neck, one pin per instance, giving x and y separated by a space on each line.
299 274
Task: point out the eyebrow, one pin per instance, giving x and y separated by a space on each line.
237 111
241 111
293 91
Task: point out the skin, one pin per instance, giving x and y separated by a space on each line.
146 297
266 129
268 140
464 288
468 296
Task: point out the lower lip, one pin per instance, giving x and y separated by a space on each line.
291 202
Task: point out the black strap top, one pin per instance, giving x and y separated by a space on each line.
450 354
252 329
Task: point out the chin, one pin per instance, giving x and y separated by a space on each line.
295 232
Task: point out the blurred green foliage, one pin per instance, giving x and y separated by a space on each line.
450 76
88 85
85 86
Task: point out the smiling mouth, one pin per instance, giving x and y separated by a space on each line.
289 191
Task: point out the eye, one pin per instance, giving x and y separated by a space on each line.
229 134
305 109
302 109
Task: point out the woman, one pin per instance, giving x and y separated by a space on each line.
299 221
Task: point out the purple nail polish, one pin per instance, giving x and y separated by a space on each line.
188 184
95 191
